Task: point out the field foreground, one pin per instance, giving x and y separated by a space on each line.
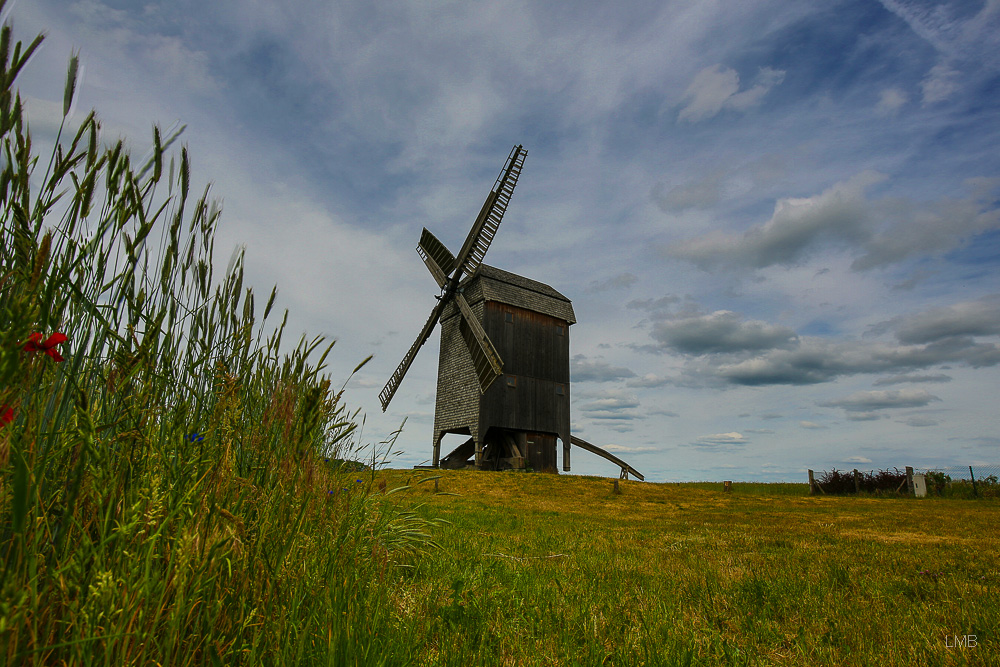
558 570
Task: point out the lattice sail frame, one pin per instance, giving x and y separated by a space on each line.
448 269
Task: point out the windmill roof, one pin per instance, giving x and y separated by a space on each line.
492 284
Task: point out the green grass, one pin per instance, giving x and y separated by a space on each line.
754 488
543 569
177 492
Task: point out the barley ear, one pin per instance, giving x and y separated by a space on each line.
270 301
157 155
71 76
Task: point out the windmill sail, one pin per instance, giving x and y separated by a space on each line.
478 242
485 357
390 387
447 270
482 352
436 250
439 276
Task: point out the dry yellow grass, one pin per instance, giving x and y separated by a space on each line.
663 573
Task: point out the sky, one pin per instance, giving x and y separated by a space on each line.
777 221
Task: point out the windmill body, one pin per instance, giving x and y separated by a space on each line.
516 421
494 325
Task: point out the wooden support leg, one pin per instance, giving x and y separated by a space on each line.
437 449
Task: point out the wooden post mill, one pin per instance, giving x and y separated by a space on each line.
497 325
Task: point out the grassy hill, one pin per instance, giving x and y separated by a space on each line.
174 491
544 569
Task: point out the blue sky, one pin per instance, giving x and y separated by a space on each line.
777 221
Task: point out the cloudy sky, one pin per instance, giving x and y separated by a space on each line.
777 221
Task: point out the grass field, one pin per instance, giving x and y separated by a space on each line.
170 492
557 570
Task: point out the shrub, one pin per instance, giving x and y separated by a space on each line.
936 482
839 482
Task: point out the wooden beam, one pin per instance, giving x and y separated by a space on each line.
594 449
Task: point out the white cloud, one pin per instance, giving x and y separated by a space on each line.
921 228
811 425
708 92
610 404
957 34
940 84
903 378
856 459
629 450
722 349
701 193
890 101
620 281
766 79
648 381
717 87
878 233
868 401
174 61
662 303
863 416
187 68
797 227
967 318
817 360
596 370
721 440
919 422
721 331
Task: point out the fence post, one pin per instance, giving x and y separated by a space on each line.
857 482
909 480
974 493
813 485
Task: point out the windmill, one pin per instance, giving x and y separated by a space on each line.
515 423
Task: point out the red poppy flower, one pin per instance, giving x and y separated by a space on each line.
36 344
6 414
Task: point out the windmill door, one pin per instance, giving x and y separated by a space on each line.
541 451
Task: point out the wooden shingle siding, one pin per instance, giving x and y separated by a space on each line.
508 294
491 284
457 403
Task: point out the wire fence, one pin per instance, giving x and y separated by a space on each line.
967 473
963 481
